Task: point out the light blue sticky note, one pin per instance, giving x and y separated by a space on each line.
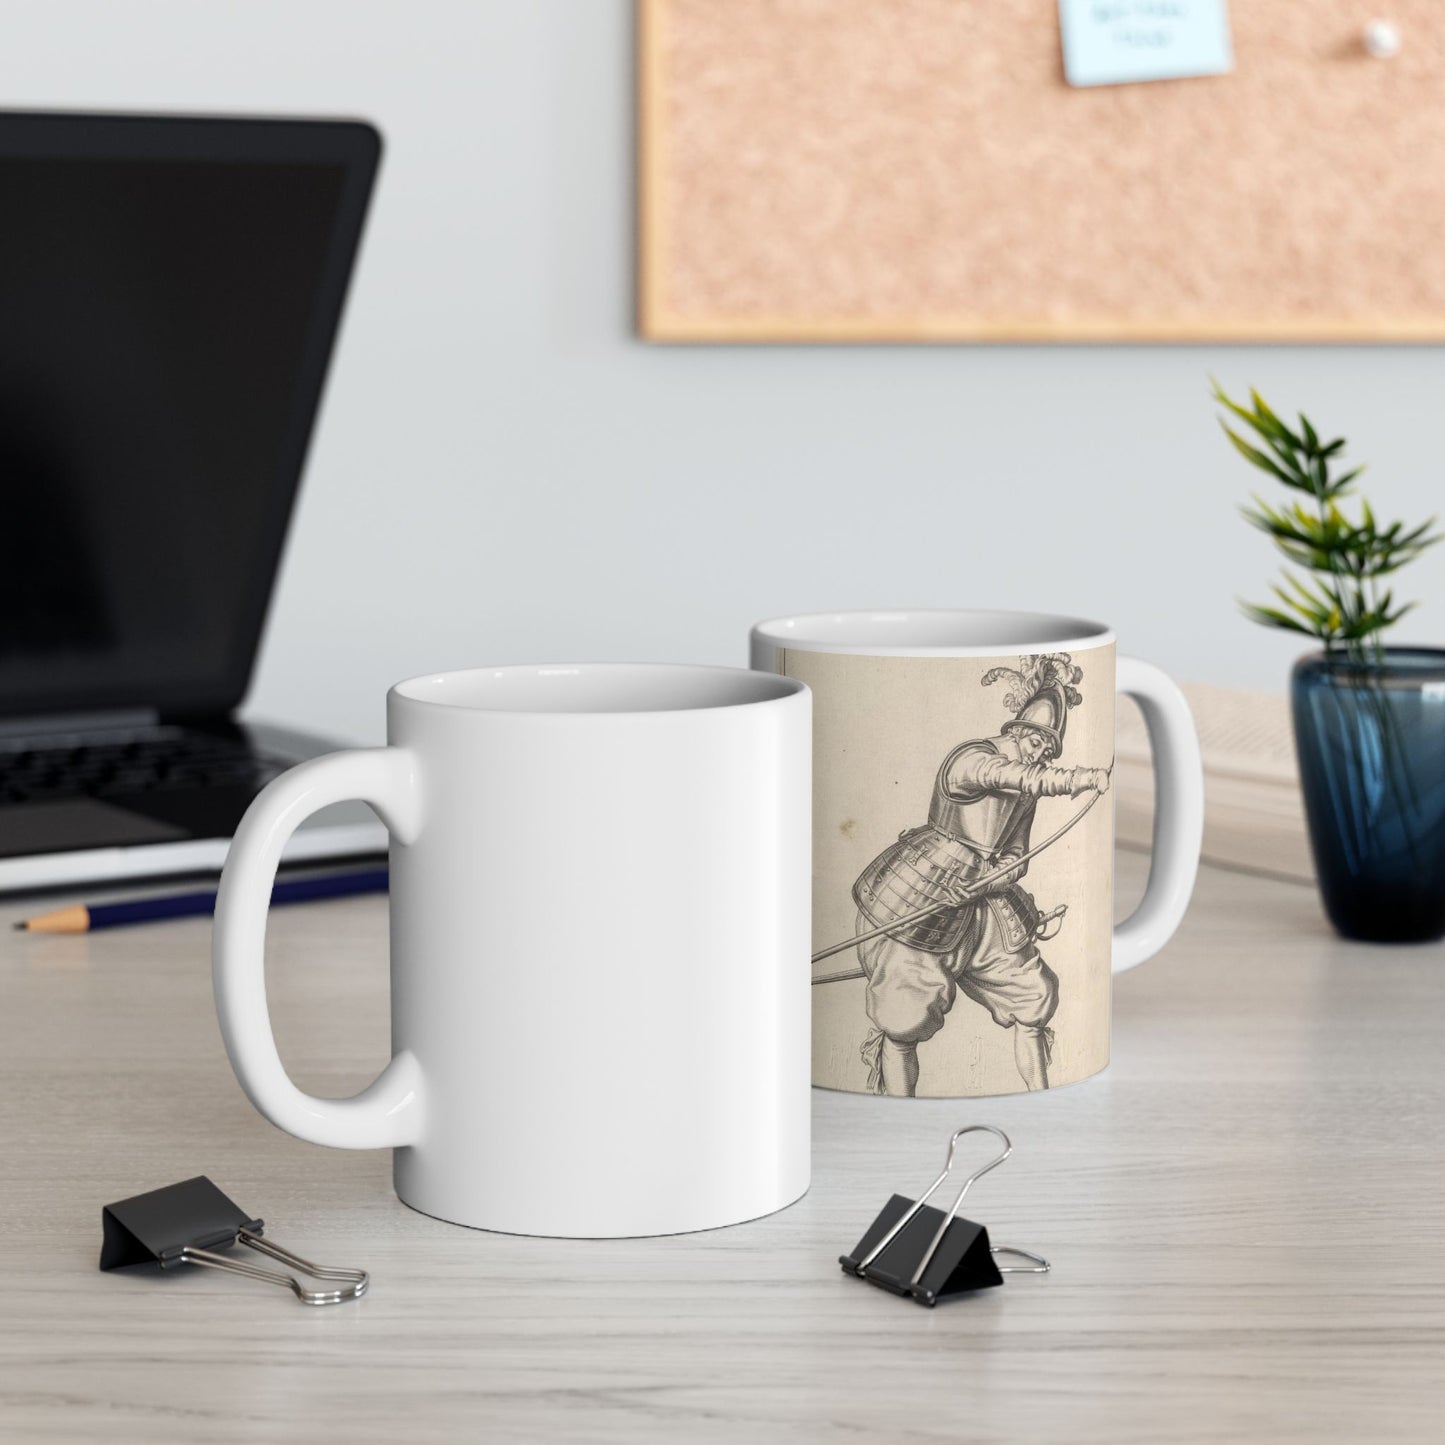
1109 42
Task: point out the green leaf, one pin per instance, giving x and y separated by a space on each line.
1267 421
1314 609
1270 617
1257 457
1263 422
1320 595
1410 538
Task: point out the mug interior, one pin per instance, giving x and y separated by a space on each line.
933 633
598 687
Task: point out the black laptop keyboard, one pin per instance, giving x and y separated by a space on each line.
163 759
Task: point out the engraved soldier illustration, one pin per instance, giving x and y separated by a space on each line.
941 911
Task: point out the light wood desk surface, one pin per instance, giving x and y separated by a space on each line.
1245 1214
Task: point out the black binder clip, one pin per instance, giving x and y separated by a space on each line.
187 1223
915 1250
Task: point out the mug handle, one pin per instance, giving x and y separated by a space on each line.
1178 812
391 1111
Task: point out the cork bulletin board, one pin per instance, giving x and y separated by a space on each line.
919 170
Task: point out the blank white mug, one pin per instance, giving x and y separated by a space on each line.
599 947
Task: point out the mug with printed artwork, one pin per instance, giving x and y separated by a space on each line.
963 843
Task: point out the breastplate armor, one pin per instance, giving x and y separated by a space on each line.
982 819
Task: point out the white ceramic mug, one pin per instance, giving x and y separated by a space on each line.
963 865
599 947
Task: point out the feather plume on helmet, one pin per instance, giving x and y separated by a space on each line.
1043 687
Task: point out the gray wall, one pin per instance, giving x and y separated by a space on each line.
503 472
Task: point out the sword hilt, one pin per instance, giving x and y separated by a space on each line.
1041 928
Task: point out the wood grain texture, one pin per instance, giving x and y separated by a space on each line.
1246 1216
919 170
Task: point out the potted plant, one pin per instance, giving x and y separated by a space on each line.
1369 719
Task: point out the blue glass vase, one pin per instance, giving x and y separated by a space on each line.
1371 742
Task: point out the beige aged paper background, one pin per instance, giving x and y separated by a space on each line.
882 726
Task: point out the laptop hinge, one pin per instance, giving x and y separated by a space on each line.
121 719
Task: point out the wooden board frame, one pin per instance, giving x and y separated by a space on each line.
658 320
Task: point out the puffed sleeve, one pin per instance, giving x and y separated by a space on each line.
976 770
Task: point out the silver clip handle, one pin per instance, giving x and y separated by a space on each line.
1039 1266
357 1279
977 1174
923 1198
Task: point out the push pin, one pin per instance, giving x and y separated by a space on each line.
1381 40
915 1250
187 1223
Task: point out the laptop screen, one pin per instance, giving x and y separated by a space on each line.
169 291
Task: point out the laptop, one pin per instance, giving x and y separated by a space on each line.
170 290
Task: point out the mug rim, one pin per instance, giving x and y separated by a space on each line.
751 689
810 632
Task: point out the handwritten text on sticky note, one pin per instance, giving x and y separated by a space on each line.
1108 42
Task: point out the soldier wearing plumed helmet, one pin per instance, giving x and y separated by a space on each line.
982 945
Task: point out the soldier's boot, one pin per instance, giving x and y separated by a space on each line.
1032 1048
899 1065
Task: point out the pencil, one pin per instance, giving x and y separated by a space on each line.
80 918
